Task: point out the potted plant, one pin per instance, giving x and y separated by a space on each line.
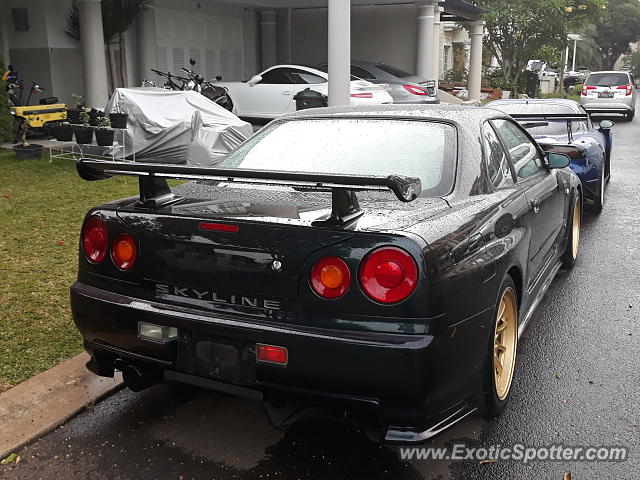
25 149
83 133
119 117
104 134
73 114
94 116
63 132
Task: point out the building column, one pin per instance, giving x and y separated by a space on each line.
268 47
425 51
147 41
475 61
339 52
94 62
437 47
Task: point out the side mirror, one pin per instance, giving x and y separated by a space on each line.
606 124
192 62
218 77
558 160
255 79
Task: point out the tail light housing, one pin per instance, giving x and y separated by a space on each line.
95 239
388 274
415 90
585 88
272 354
362 95
330 277
124 251
628 88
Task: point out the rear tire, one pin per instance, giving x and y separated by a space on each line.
501 350
570 254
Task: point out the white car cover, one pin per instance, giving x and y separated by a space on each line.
177 126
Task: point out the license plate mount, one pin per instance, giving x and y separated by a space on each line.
218 358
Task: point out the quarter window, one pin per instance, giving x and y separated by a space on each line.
524 154
276 76
497 162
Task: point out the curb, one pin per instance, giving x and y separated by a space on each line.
44 402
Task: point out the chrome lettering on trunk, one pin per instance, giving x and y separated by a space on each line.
219 297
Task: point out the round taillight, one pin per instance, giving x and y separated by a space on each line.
388 274
95 240
123 251
330 277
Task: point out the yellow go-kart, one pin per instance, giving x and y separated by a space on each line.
39 118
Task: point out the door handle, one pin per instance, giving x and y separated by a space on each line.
286 92
535 204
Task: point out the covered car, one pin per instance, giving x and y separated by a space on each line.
173 126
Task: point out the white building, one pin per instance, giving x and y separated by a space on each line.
236 39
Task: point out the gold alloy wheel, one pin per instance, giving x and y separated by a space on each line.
505 341
575 233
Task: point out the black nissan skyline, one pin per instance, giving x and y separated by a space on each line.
376 264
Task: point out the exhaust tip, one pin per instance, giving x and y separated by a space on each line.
135 378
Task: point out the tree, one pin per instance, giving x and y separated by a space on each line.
523 30
633 60
620 27
6 119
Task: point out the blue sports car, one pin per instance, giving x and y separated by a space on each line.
556 124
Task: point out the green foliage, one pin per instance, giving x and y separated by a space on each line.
518 31
117 16
456 75
6 119
620 27
104 122
633 61
84 116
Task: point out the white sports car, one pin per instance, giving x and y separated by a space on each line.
270 93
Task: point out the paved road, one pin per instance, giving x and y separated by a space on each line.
577 384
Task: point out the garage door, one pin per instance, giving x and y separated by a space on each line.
214 42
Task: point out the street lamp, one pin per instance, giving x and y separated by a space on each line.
575 38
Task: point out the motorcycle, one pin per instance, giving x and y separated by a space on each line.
196 82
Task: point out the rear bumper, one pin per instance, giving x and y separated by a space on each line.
606 105
382 379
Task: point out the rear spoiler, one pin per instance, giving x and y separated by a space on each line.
550 116
155 192
539 118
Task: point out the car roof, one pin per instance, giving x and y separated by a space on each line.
558 102
462 114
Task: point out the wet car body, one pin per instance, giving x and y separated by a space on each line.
408 368
403 87
591 159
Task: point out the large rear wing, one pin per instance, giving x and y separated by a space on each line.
155 192
531 120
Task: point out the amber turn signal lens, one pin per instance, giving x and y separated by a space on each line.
123 251
330 277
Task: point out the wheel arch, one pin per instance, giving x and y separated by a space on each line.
516 275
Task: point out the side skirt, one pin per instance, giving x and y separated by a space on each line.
536 301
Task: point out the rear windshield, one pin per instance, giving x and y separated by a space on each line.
614 79
426 150
396 72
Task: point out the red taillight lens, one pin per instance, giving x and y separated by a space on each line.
628 88
123 251
587 87
415 90
271 354
362 95
95 239
330 277
219 227
388 274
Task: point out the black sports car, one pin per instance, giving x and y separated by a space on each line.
377 263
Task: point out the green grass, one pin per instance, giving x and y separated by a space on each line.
42 205
575 97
